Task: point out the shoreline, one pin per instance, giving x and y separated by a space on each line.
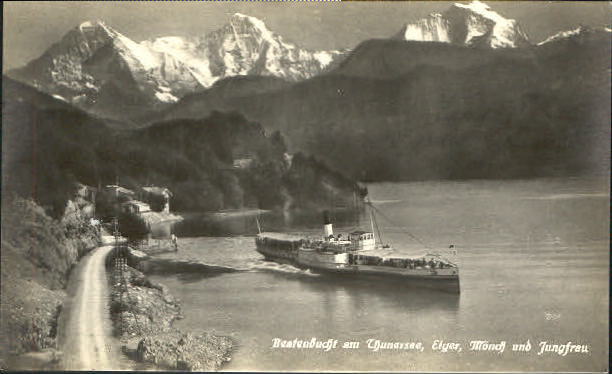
143 313
156 218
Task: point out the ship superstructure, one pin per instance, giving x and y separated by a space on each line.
357 253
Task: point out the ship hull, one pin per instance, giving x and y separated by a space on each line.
442 279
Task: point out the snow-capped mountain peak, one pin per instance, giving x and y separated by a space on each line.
91 29
94 63
90 24
505 32
243 46
255 22
136 52
562 35
482 9
568 34
135 55
471 24
433 28
87 25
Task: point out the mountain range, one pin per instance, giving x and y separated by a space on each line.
101 70
396 110
461 94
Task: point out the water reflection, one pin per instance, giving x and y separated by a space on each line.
185 271
353 294
161 230
393 293
244 222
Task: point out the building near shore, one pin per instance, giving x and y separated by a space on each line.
242 163
150 193
135 207
120 192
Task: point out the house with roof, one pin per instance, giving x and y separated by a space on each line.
135 207
242 163
120 192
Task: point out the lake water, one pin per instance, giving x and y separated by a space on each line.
534 265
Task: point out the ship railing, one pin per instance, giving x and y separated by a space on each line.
441 258
408 263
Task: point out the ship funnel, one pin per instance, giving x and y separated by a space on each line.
327 226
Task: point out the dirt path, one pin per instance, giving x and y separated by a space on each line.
87 342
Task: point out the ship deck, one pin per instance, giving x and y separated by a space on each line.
384 253
389 253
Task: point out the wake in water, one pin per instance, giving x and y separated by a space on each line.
385 201
173 266
261 265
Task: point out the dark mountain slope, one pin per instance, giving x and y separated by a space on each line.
447 112
223 90
384 58
48 145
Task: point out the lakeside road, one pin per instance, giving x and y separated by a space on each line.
87 342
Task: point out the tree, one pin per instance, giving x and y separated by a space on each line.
132 226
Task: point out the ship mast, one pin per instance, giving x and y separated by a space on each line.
257 221
374 223
403 231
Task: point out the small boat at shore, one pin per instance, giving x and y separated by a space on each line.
358 254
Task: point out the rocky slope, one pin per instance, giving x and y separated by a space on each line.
143 313
141 307
103 71
184 351
38 253
100 69
474 24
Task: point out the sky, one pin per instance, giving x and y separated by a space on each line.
30 27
